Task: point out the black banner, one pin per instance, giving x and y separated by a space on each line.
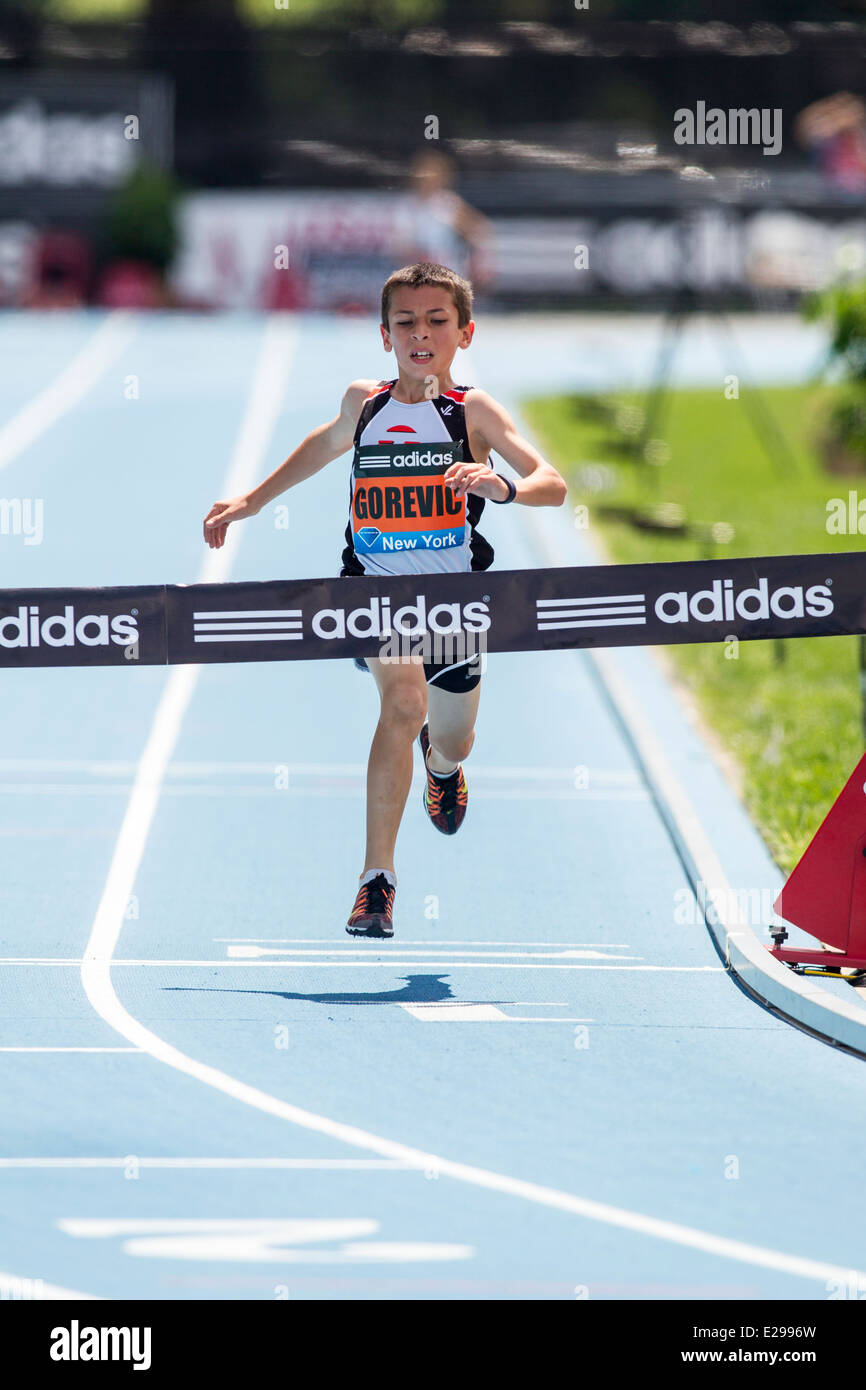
438 616
122 626
115 1339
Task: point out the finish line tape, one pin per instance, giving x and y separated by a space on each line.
437 616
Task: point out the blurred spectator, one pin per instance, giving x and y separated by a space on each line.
281 290
834 129
18 242
131 285
439 225
61 272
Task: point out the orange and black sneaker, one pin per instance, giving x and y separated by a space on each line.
445 798
371 915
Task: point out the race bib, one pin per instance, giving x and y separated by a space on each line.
400 502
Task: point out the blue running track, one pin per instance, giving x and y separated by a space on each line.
545 1087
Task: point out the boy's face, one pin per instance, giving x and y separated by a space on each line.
423 330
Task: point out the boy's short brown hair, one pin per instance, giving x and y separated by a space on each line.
426 273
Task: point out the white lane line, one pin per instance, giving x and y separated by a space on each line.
70 1049
271 371
259 1240
499 772
385 964
457 1012
96 976
14 1287
325 941
109 919
320 792
73 383
570 953
313 1164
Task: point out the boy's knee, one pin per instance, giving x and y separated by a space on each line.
454 747
405 704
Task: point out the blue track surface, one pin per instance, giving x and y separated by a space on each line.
602 1055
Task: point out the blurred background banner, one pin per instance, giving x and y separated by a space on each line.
344 246
67 144
340 248
254 156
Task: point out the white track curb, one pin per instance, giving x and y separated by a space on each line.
792 996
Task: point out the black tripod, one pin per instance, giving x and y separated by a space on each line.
683 307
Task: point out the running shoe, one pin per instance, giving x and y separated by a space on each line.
444 798
371 915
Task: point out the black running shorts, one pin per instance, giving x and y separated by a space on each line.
457 677
446 675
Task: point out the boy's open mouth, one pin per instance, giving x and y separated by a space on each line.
420 355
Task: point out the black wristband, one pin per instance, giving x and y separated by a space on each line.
512 492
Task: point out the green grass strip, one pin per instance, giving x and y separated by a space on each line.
791 728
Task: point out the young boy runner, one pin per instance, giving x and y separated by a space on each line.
426 317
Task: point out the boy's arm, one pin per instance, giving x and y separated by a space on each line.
491 427
321 446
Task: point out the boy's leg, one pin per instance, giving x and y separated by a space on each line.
403 693
451 726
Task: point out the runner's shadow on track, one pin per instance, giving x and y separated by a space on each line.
419 989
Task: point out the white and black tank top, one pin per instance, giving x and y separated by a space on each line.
403 519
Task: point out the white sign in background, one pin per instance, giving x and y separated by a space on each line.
229 243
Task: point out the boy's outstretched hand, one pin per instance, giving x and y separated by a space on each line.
216 523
